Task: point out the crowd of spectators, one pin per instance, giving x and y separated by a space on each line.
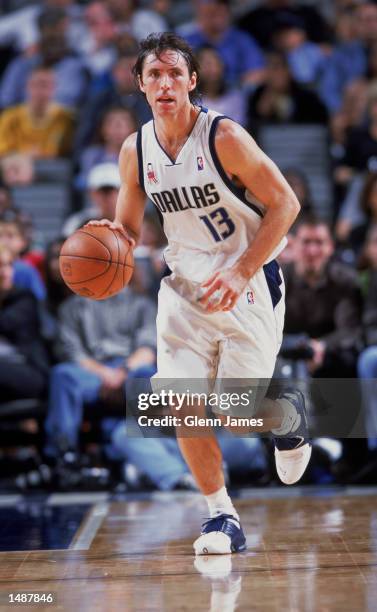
67 92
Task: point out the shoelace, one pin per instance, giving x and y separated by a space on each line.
217 521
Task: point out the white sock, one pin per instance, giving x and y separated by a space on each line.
290 415
220 503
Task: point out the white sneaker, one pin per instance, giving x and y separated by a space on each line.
220 535
293 451
291 464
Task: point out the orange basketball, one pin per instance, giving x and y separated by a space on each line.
96 262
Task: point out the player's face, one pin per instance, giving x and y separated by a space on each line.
166 82
314 247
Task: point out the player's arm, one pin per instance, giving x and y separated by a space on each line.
241 157
243 160
131 198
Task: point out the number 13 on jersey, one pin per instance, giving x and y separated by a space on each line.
219 224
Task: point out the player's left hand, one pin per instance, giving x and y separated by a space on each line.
223 290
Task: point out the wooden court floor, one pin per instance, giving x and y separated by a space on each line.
308 551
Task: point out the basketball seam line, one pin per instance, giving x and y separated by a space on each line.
96 259
116 269
98 240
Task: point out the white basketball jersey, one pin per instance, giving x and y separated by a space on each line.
208 220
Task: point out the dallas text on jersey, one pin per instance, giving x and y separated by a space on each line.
183 198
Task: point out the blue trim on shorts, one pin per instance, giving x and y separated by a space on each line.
273 278
239 192
140 158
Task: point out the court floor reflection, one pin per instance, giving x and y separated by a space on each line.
308 551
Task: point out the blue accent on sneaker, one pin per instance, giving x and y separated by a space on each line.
222 523
301 434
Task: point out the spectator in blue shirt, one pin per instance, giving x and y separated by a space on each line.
306 59
52 50
25 276
349 59
23 358
243 59
229 101
119 90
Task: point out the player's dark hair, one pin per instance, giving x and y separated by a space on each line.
168 41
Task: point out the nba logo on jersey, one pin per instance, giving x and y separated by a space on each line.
199 161
151 175
250 297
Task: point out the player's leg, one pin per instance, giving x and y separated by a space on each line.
204 458
250 353
293 446
221 532
286 418
186 350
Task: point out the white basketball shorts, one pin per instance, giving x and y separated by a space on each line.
242 343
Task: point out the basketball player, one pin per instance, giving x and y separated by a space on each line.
226 209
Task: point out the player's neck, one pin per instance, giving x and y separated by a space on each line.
172 132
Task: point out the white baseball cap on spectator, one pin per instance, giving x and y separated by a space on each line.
104 175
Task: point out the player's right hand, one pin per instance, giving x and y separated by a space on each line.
113 225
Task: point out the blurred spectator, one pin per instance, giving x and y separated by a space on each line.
19 229
149 255
6 202
165 8
280 99
23 359
359 92
355 221
350 214
360 148
216 94
56 291
367 363
160 459
288 254
39 128
349 59
120 91
20 28
103 185
116 125
139 22
300 185
345 29
323 304
101 344
305 58
98 47
52 50
263 21
25 275
240 53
